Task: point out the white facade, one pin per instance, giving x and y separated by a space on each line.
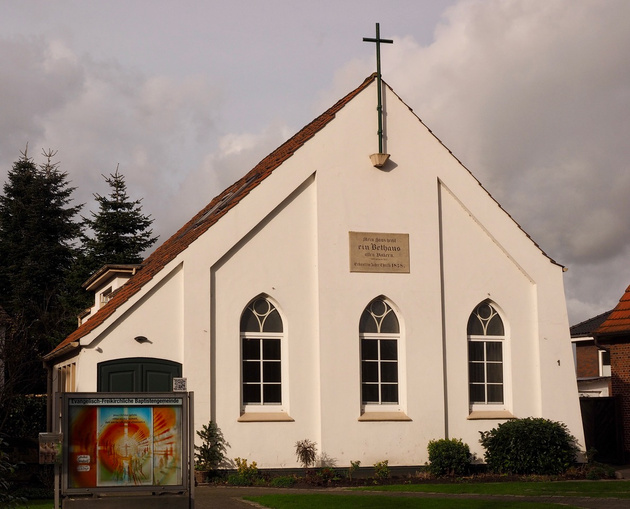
288 240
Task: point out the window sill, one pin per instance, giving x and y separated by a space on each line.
265 417
490 414
383 416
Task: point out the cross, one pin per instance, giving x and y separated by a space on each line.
379 106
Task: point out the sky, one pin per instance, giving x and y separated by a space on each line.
185 97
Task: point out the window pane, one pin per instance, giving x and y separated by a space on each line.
475 351
388 349
389 393
367 323
389 372
251 349
369 349
495 373
494 351
271 371
476 372
273 322
495 393
249 323
271 349
475 328
390 323
369 371
477 393
369 393
272 393
251 393
495 326
251 371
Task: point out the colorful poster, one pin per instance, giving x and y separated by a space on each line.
114 445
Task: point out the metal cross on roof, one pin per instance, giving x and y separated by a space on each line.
379 106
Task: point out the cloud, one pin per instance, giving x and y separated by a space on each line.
534 98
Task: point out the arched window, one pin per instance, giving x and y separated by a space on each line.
486 338
261 353
379 332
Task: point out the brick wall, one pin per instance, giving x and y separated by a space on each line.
620 367
587 360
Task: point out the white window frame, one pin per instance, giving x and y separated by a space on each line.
385 407
505 362
262 407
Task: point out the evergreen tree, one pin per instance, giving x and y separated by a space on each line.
38 232
121 231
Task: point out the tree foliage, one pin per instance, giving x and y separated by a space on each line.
38 236
121 232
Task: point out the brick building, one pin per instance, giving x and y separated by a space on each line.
592 362
614 336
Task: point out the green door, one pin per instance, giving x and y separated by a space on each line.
137 374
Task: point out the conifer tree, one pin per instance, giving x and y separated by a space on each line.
38 232
121 232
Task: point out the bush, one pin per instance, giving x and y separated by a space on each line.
381 470
6 470
283 481
448 457
246 475
529 446
211 452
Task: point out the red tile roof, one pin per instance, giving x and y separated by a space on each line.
618 322
207 217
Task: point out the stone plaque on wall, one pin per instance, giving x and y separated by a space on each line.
379 252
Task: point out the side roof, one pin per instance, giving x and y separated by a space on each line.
588 327
218 207
618 321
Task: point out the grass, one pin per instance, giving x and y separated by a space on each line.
310 501
598 489
37 504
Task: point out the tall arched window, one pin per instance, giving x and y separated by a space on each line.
261 353
379 333
486 338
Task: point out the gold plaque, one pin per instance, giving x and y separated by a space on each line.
379 252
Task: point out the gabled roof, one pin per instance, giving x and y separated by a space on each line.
588 327
618 322
207 217
219 206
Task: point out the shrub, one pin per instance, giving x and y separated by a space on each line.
211 452
529 446
283 481
6 469
354 467
381 470
246 475
448 457
306 452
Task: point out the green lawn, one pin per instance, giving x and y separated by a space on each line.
599 489
37 504
309 501
616 489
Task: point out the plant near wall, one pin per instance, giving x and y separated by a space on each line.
354 467
212 450
381 470
306 452
448 457
529 446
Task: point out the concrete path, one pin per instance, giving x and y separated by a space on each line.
224 497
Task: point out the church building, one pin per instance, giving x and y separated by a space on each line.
367 298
